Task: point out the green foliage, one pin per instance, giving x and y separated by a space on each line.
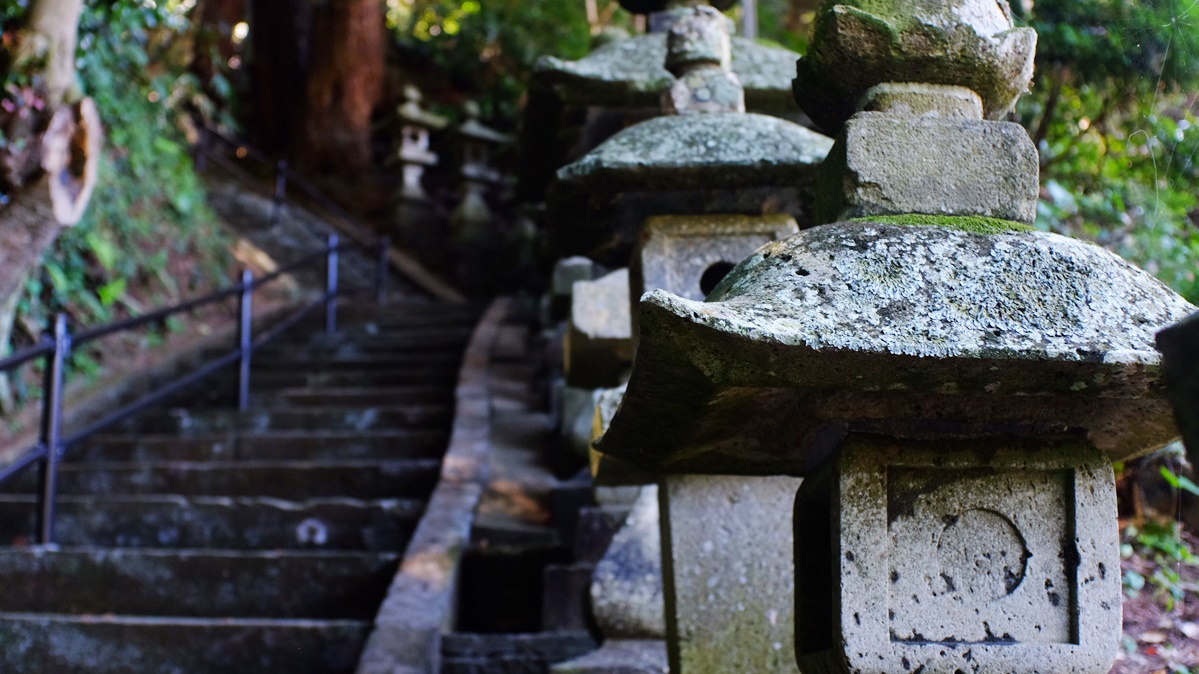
487 48
148 236
1161 543
1113 113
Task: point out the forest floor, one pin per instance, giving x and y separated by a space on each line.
1161 602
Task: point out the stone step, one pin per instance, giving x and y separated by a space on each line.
357 355
403 316
38 643
295 480
225 380
195 583
351 418
361 396
265 446
210 522
531 653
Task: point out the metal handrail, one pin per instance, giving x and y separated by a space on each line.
56 348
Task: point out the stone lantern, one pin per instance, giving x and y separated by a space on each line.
414 154
417 224
951 385
471 222
683 197
687 195
576 105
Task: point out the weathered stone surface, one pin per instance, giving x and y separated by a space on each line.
923 100
886 164
1030 331
626 590
729 573
689 255
994 555
562 281
108 644
632 73
699 36
620 656
704 90
578 418
697 152
599 338
857 44
684 164
609 472
698 55
1179 345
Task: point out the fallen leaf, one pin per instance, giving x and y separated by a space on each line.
1152 637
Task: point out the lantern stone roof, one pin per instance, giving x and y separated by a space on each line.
632 73
903 329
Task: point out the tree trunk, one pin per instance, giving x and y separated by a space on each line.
344 86
51 34
50 163
279 43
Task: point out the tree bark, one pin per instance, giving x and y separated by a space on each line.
52 158
279 43
344 86
51 34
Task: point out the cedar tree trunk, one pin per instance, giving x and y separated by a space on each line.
345 84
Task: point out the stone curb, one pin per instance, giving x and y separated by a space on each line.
419 606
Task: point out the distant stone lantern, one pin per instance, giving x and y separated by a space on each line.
952 385
414 154
576 105
683 197
471 224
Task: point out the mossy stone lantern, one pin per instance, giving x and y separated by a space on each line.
952 387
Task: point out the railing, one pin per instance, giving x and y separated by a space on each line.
55 349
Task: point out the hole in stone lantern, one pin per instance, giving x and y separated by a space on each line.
713 275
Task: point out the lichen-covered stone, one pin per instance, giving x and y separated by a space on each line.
697 152
693 164
632 73
698 37
918 99
730 573
885 326
857 44
599 337
698 55
689 255
885 163
626 590
993 555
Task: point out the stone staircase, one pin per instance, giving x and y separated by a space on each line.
201 539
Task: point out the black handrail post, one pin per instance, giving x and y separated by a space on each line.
331 286
280 191
51 431
245 340
381 270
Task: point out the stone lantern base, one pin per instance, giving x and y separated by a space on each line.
945 556
727 571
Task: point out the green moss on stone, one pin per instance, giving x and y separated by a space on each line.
975 224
